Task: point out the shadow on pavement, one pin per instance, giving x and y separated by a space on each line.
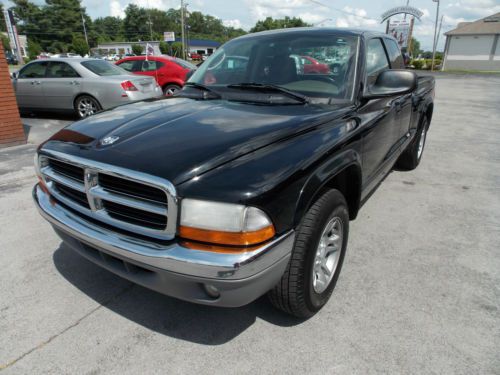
175 318
65 116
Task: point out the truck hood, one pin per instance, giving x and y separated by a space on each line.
181 138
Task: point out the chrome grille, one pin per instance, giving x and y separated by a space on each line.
129 200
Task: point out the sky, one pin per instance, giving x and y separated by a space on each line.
363 14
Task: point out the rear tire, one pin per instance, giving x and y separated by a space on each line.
86 105
324 230
170 90
412 155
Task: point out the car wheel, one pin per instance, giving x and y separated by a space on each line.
412 155
86 106
170 90
317 257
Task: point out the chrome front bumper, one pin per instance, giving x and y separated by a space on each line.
172 269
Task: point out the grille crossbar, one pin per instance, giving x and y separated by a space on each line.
126 199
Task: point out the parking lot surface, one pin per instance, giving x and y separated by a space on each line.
419 292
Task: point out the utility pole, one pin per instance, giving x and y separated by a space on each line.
439 30
435 35
85 29
182 31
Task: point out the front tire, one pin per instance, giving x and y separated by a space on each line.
86 105
317 257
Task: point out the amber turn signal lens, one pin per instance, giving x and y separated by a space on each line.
227 238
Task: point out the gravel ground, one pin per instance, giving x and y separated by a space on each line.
419 292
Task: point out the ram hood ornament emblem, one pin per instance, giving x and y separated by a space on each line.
109 140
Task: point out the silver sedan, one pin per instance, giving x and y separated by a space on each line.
85 86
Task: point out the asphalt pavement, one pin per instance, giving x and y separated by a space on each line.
419 292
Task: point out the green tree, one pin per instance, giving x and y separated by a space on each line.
270 24
137 49
34 49
5 42
177 49
136 23
415 47
164 48
108 28
79 45
52 25
2 20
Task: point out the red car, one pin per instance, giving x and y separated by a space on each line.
170 72
308 65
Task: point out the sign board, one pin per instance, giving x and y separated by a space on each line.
169 36
400 30
400 10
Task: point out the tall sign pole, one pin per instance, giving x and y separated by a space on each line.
182 31
410 36
85 31
435 36
12 32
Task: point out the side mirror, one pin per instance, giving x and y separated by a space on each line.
189 74
14 75
391 83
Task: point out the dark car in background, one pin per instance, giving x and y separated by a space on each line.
11 58
170 72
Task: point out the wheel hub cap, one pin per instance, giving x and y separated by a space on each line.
327 255
86 107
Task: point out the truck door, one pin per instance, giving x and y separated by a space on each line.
379 117
403 102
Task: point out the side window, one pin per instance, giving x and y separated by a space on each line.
127 65
376 59
395 55
61 70
149 66
34 70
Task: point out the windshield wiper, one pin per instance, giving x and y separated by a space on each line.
264 86
203 88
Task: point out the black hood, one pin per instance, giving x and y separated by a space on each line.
181 138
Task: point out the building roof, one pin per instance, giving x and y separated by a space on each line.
201 42
487 25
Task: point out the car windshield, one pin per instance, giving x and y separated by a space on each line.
103 68
316 65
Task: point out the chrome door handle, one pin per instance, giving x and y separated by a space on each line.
35 82
74 83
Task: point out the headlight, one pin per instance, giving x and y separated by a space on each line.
224 223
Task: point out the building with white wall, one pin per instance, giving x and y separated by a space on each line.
474 45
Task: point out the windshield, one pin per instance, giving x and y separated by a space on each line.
315 65
103 68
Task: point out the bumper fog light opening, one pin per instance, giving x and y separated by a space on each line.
211 291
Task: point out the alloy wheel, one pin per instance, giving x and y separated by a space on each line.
327 255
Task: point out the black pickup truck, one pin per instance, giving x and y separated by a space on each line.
245 182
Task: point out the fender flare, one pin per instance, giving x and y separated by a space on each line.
325 173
